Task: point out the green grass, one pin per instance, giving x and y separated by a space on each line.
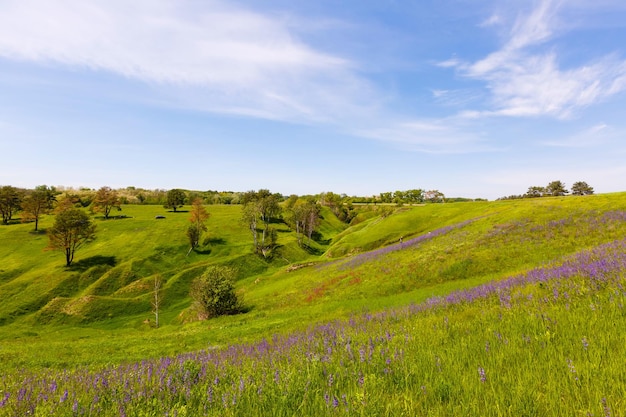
52 316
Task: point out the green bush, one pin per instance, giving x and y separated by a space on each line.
214 292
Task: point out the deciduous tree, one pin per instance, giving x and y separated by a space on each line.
38 202
72 228
556 188
303 215
214 292
581 188
175 198
535 191
198 217
261 206
9 202
105 200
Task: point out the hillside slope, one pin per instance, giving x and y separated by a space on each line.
107 292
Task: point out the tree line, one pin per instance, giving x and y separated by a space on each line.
553 189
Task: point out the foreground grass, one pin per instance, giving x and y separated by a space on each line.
546 342
57 318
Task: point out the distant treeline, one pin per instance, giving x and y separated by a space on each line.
553 189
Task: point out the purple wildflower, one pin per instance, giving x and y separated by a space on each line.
481 373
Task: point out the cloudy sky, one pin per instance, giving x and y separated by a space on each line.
479 98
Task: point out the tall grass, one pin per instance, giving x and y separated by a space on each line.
546 342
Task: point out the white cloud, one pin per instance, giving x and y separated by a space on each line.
525 78
429 136
593 136
239 60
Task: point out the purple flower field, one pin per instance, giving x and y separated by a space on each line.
446 355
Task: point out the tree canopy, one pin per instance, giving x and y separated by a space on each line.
105 200
261 206
175 198
198 217
10 200
72 228
581 188
37 202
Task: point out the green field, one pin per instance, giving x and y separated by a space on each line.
345 321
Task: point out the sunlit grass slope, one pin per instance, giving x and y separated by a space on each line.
537 340
58 317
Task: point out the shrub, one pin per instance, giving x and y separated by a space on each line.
214 292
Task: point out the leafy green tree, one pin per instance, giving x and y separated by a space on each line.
105 200
198 217
556 188
10 200
214 292
72 228
535 191
38 202
175 198
261 206
303 216
581 188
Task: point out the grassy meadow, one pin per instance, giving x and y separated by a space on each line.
474 308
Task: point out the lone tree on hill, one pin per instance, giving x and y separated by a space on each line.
175 198
72 228
37 202
198 217
105 200
9 202
581 188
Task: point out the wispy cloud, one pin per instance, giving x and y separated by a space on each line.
242 61
525 77
444 136
591 137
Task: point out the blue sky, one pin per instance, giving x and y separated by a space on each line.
473 98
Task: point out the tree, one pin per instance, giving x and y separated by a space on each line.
535 191
581 188
556 188
198 217
214 292
303 215
9 202
175 198
38 202
261 206
72 228
105 200
435 196
156 300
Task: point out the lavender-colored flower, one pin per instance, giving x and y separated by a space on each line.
481 373
606 408
585 343
5 399
570 365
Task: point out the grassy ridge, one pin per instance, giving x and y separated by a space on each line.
534 344
58 317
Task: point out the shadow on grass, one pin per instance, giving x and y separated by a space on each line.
203 251
214 241
85 264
